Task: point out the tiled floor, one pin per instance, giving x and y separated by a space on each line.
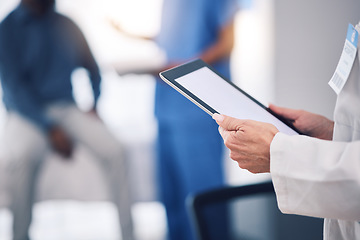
69 220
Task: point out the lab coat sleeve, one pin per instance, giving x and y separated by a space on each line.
314 177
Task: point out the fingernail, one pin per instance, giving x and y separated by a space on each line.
217 117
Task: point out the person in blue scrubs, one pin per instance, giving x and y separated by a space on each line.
189 147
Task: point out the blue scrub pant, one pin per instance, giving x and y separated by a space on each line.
189 160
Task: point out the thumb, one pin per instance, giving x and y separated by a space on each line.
228 123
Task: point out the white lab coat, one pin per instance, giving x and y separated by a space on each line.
321 178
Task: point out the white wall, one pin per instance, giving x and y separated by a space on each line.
309 38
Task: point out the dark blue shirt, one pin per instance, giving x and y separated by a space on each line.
38 54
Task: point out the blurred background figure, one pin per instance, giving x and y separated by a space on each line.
189 149
39 50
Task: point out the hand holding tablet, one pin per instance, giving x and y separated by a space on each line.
198 82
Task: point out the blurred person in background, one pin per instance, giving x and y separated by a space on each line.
39 49
190 149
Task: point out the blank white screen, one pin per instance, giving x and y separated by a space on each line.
225 99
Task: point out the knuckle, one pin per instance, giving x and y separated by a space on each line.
243 165
236 156
233 155
227 143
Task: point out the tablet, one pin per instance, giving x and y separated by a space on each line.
200 83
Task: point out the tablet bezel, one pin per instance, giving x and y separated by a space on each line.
169 76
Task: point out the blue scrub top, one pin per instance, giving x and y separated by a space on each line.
189 27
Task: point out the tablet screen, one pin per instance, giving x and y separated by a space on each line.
214 94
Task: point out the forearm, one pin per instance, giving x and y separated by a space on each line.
221 48
91 66
117 26
95 83
316 177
